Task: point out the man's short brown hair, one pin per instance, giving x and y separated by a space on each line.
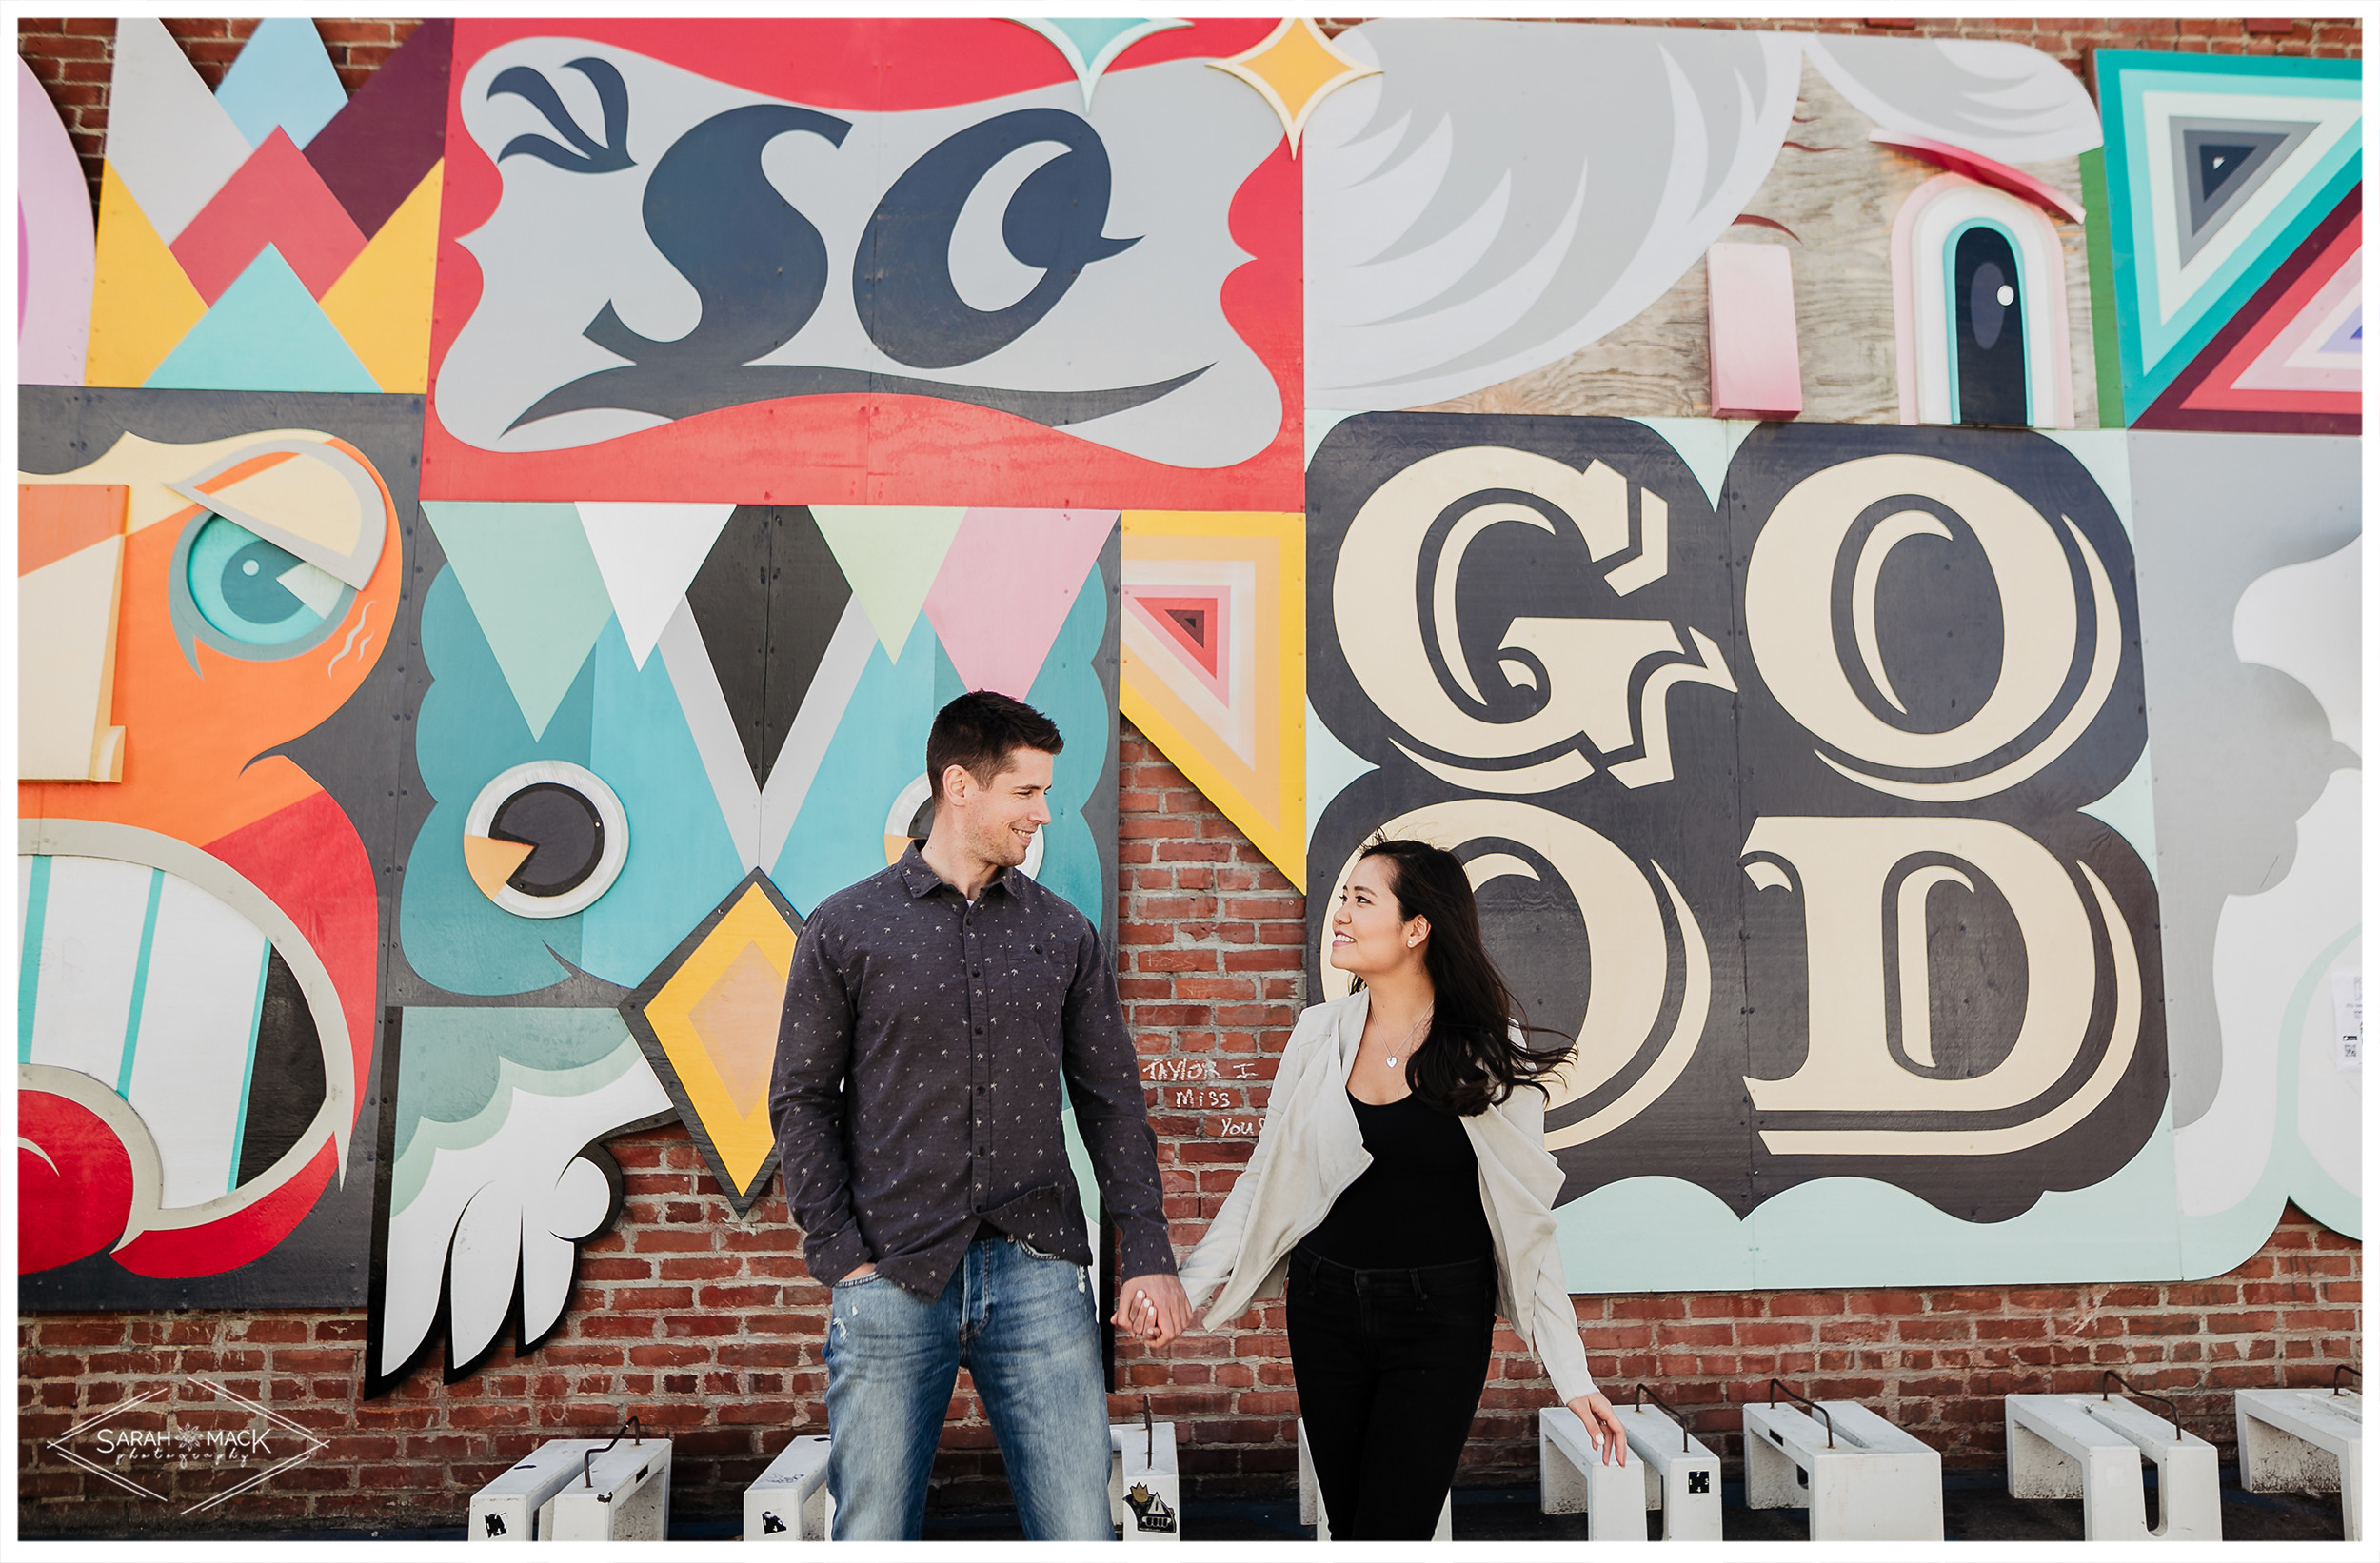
979 730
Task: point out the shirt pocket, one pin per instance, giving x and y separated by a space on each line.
1032 976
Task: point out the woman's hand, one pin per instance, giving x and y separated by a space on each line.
1603 1428
1153 1307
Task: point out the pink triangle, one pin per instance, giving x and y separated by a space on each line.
1161 608
1005 589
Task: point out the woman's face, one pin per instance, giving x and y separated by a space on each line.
1370 934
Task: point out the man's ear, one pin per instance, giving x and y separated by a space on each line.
955 777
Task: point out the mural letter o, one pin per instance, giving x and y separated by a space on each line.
1788 616
1627 945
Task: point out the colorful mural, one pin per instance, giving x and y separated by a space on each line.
966 268
2255 740
2233 188
525 516
271 235
1214 663
1771 789
647 737
53 224
1472 247
213 580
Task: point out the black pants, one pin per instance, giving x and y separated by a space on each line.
1389 1365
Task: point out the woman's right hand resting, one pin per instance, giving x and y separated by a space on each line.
1603 1428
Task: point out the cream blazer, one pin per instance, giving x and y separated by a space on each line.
1311 1148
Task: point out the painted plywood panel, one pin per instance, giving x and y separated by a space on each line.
2226 179
1062 334
55 237
1664 746
2256 760
205 1080
275 236
613 847
1434 283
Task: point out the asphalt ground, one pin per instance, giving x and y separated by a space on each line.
1975 1506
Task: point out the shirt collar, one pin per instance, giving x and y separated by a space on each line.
922 880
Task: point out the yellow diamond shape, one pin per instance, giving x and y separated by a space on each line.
1295 68
716 1020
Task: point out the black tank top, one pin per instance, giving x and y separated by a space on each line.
1417 1203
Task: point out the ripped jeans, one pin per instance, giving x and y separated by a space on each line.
1027 1329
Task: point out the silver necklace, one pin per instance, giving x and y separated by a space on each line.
1418 1028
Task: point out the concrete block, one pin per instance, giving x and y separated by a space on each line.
556 1493
2304 1442
1869 1482
789 1500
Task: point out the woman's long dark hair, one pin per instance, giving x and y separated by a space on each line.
1472 1059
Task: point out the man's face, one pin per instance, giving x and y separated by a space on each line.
996 817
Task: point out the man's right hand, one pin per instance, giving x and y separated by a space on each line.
867 1269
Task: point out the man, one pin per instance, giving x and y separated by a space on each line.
934 1013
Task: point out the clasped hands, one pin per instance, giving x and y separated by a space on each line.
1153 1307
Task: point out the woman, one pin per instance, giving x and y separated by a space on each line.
1402 1185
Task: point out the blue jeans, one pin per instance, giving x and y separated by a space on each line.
1027 1329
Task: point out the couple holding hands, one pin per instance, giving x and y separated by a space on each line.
940 1016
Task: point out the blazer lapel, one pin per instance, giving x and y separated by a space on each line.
1352 1017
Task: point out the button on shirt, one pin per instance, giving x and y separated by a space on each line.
924 1045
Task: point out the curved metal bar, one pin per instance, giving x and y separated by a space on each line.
1685 1440
586 1468
2336 1387
2172 1412
1775 1385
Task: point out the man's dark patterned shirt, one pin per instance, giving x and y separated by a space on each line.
926 1051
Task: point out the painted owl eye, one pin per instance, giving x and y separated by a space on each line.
546 840
252 598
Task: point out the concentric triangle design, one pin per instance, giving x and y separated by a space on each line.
2290 361
2217 169
1213 664
2321 348
706 1020
2220 163
1195 624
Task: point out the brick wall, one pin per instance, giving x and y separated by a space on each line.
74 56
71 57
710 1329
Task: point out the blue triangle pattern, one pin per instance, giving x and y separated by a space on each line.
283 77
266 333
532 583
